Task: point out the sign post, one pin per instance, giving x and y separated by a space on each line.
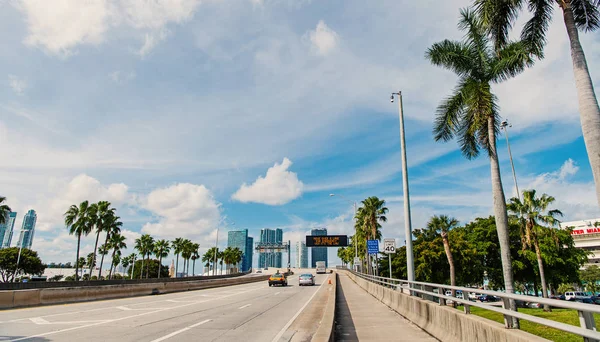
389 247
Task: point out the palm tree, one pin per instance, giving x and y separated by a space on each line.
369 215
147 247
186 254
442 224
578 15
98 214
228 258
116 242
161 250
76 221
141 247
471 112
195 256
209 257
237 258
103 250
530 213
89 260
126 261
4 210
178 245
112 226
115 261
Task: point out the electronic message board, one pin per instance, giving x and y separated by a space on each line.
326 240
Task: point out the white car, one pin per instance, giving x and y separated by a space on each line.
306 279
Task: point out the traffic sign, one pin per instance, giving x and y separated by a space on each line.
326 240
389 246
373 246
356 261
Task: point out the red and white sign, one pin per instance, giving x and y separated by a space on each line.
585 231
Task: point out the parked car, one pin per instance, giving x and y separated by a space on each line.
306 279
559 297
595 299
586 300
534 305
488 298
473 296
574 294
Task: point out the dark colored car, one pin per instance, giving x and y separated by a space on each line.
561 297
488 298
278 279
582 300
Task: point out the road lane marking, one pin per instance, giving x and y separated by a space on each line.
180 331
124 308
285 328
39 320
126 317
276 293
245 306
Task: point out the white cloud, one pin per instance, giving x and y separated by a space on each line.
184 210
18 85
151 40
121 77
323 39
278 187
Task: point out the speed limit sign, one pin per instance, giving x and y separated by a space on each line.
389 246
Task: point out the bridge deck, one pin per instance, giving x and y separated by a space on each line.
361 317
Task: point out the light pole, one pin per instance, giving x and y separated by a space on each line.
355 237
21 240
410 266
504 126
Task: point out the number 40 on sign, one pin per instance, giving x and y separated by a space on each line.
389 246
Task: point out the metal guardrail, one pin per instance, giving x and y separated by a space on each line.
587 330
85 283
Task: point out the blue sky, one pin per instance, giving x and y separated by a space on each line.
191 115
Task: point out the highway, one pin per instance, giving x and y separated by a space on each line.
248 312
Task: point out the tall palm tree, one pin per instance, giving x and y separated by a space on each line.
112 225
186 254
531 213
195 256
228 258
116 242
76 220
369 216
237 257
4 210
209 257
103 250
140 245
148 246
98 215
471 112
584 15
115 261
442 225
177 245
161 250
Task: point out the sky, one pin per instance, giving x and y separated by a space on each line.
198 116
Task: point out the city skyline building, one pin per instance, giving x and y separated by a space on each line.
301 255
27 230
240 239
7 229
270 259
318 253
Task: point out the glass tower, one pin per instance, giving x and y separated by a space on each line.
318 253
241 240
27 230
270 259
6 230
301 255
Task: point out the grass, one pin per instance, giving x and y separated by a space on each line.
559 315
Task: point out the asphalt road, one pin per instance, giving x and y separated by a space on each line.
248 312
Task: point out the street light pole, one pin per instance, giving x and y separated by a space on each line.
410 266
217 248
504 125
21 239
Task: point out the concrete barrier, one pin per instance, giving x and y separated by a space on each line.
326 330
23 298
443 322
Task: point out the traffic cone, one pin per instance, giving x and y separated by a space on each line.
329 281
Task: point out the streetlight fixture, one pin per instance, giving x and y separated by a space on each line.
504 126
354 219
410 266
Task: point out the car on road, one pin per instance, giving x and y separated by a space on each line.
306 279
278 279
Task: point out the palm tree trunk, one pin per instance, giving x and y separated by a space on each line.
94 256
142 268
102 259
538 254
176 265
589 112
148 266
159 265
112 262
450 262
194 268
501 217
77 260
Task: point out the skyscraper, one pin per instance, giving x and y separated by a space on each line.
270 236
318 253
241 240
301 255
27 230
6 230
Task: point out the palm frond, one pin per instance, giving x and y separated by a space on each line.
586 14
534 31
476 36
448 115
510 61
452 55
498 16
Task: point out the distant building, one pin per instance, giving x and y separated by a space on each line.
587 237
318 253
270 259
27 230
301 255
241 240
6 230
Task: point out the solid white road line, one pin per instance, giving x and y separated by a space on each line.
276 293
39 320
180 331
282 331
126 317
245 306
